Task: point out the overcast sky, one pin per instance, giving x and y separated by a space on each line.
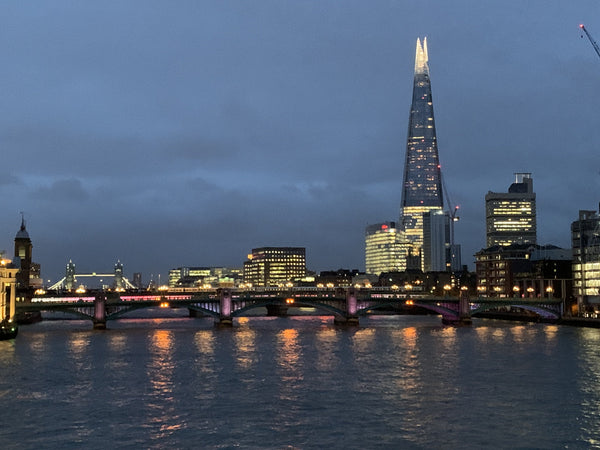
185 133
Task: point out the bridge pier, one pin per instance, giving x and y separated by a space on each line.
464 312
351 316
225 319
100 312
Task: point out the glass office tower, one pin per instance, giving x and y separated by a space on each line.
422 187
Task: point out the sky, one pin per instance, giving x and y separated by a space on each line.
166 134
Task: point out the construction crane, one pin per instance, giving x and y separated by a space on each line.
591 39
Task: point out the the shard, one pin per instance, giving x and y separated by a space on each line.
422 186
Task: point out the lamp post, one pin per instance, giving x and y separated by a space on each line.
550 292
447 288
516 290
530 291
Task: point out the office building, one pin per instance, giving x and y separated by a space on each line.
196 277
386 249
422 183
274 266
437 255
511 217
585 237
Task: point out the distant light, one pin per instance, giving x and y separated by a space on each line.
384 227
581 25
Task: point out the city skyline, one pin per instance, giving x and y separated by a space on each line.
283 125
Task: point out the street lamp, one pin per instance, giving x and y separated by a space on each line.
550 291
516 290
447 288
530 291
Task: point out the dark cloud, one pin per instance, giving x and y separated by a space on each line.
176 134
61 191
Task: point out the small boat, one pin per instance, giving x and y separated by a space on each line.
8 330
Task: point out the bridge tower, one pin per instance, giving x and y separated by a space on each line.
70 276
119 283
23 253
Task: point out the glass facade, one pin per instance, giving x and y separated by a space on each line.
422 187
511 216
585 236
273 266
386 249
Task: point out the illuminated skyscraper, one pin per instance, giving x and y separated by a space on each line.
386 249
511 217
422 187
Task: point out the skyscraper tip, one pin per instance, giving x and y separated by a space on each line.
421 57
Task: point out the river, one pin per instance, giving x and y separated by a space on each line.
393 382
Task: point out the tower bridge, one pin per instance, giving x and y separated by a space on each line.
71 280
224 305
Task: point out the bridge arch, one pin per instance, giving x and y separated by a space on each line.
540 310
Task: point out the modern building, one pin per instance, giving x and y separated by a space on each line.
196 277
273 266
585 237
386 248
510 217
422 184
437 255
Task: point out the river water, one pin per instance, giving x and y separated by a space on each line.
393 382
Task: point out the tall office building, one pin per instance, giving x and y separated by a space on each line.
511 217
422 186
437 255
272 266
386 249
585 236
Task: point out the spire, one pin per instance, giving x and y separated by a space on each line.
421 57
22 233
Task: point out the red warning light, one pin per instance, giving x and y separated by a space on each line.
384 227
580 25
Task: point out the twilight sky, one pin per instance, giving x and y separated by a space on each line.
166 134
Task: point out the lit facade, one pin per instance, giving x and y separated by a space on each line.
273 266
437 256
511 217
422 186
585 237
386 248
190 277
8 277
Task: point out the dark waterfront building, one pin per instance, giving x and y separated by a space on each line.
28 277
422 185
510 218
524 270
23 253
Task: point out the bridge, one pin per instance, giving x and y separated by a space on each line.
72 279
345 305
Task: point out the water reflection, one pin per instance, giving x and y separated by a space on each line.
245 348
204 365
589 361
162 418
409 375
327 347
289 365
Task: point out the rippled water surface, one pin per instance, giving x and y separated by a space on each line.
393 382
